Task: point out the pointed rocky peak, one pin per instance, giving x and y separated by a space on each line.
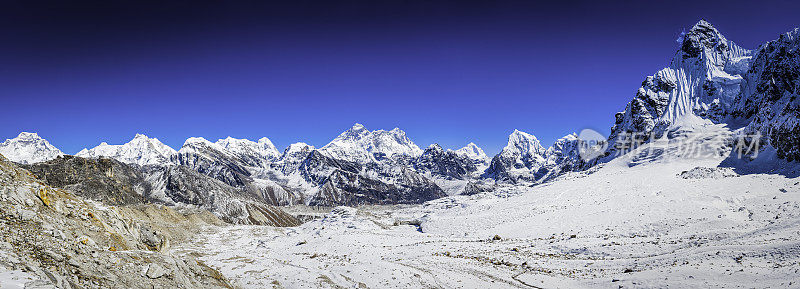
267 143
525 143
472 151
354 133
28 148
434 148
703 37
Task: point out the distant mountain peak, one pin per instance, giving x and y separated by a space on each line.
141 150
28 135
474 152
255 153
360 145
28 148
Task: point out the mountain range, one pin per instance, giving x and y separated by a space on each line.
710 81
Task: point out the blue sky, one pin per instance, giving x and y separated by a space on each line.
79 73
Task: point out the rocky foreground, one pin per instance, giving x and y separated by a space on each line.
52 238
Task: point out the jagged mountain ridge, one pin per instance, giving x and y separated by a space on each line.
141 150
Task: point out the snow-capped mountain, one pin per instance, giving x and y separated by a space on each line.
698 88
475 153
563 156
213 160
446 164
141 150
292 156
28 148
518 160
360 145
256 154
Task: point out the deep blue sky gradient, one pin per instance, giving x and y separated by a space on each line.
79 73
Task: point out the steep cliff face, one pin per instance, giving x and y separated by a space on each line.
769 100
698 88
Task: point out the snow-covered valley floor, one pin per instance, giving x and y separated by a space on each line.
628 224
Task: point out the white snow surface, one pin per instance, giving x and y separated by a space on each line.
141 150
28 148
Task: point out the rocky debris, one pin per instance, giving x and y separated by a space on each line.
65 241
155 271
477 187
708 173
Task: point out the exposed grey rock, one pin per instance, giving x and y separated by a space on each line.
447 164
770 100
155 271
101 179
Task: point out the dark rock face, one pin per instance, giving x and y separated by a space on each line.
340 182
770 98
446 164
702 36
317 167
105 180
345 188
349 189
